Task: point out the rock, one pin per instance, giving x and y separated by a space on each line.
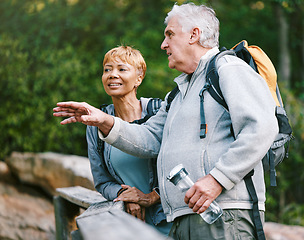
276 231
25 214
5 173
51 170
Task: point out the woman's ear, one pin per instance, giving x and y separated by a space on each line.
195 35
138 80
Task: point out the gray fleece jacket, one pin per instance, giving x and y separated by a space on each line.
174 136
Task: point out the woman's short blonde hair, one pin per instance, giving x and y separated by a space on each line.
128 55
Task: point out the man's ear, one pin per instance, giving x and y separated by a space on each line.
195 35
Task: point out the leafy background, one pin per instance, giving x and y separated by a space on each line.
52 50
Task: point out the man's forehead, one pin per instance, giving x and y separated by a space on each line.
173 25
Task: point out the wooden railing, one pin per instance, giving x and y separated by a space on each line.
83 214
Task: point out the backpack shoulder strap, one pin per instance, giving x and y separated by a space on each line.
212 78
103 108
255 206
171 96
242 52
100 143
153 106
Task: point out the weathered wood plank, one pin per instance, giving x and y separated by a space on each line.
116 225
80 196
102 220
101 207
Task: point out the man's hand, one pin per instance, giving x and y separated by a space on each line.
84 113
203 193
134 195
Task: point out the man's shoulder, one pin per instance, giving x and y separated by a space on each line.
227 60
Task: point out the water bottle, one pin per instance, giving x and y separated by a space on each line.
180 178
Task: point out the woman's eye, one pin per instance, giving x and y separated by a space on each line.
122 69
106 70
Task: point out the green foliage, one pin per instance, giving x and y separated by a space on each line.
52 51
249 20
31 84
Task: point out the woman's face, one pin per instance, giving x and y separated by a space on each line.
120 78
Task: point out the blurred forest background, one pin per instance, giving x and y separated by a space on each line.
52 50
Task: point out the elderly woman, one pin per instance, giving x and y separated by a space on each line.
119 176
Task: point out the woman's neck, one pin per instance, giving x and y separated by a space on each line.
127 108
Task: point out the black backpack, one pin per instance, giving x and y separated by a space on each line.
279 149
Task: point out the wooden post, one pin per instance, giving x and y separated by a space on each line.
65 213
67 206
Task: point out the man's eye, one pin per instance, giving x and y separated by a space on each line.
106 70
122 69
170 35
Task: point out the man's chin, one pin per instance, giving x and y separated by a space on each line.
170 65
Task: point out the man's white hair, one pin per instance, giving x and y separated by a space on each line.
190 15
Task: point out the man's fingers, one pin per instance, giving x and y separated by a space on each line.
189 195
72 107
196 201
204 207
69 104
193 200
63 114
62 109
68 120
200 205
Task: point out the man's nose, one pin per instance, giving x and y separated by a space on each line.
164 44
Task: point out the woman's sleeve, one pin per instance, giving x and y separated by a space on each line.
104 182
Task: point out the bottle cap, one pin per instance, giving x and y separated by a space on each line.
177 173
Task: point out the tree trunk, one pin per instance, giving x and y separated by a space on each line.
284 71
297 36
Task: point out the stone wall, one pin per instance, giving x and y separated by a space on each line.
51 170
27 185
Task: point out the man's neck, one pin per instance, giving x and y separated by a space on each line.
197 55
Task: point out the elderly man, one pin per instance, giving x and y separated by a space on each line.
217 163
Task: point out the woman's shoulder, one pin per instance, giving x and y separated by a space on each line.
107 108
150 105
144 102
